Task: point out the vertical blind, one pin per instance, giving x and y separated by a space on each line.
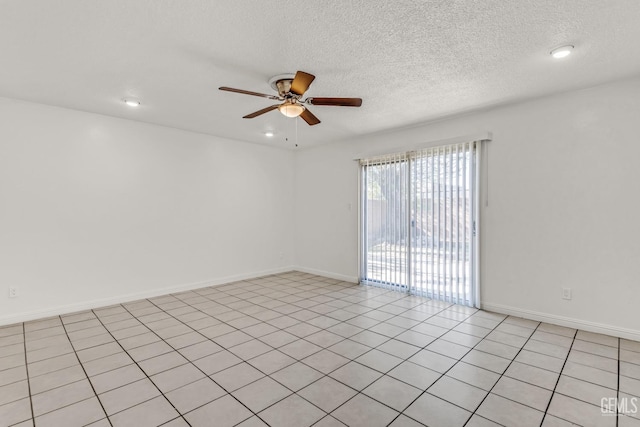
418 216
386 193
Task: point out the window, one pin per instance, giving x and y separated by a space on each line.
419 217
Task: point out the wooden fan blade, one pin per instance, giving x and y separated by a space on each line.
261 112
248 92
301 82
308 117
341 102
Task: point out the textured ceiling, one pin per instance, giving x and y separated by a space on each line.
410 61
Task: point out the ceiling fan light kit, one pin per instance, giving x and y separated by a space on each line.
290 90
291 109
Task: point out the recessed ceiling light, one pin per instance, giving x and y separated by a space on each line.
131 102
268 134
562 52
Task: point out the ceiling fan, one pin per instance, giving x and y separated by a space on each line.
290 90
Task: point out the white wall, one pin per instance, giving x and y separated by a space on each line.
95 209
564 205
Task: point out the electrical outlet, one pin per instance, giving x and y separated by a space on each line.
13 292
566 293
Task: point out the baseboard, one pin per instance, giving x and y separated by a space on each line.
351 279
569 322
102 302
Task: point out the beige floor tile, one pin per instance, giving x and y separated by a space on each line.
232 339
252 422
597 338
151 413
78 414
593 360
551 338
457 392
53 364
141 340
433 361
292 411
585 391
474 330
226 411
12 361
392 392
508 339
200 350
522 392
98 352
237 376
349 349
532 375
177 377
478 421
12 375
194 395
509 413
327 393
364 411
593 348
630 385
473 375
415 375
116 378
431 410
449 349
355 375
325 361
370 339
300 349
177 422
398 348
579 412
558 330
15 391
461 338
217 362
124 397
630 356
404 421
297 328
630 345
540 360
261 394
61 397
162 363
15 412
250 349
271 362
592 375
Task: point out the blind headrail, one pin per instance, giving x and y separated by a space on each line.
373 155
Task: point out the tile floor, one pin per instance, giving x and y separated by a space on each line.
299 350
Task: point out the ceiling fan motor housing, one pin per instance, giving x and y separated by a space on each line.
284 87
282 83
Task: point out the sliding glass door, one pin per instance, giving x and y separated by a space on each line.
385 186
419 222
